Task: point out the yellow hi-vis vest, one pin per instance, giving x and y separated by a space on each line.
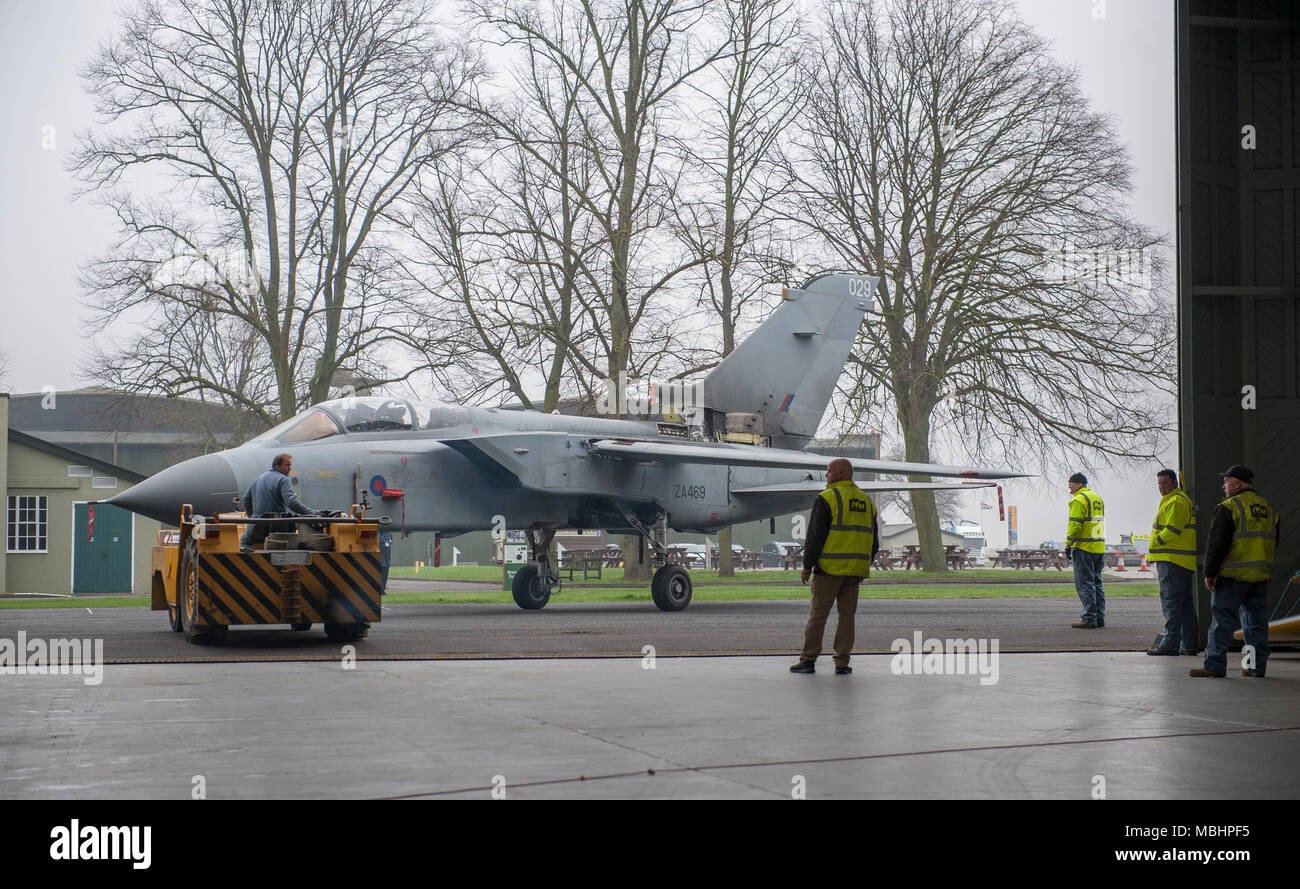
1084 530
847 550
1173 535
1254 521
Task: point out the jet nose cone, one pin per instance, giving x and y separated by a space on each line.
207 483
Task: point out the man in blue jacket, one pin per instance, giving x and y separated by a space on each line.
271 494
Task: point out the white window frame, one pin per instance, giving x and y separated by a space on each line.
42 506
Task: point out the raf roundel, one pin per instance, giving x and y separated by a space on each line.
378 485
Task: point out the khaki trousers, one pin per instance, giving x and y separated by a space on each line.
827 590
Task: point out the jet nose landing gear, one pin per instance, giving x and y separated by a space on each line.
534 583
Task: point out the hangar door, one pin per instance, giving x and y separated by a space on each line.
1238 249
101 553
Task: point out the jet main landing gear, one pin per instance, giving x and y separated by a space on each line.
670 588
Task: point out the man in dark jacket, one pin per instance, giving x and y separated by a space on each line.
271 494
1244 533
843 538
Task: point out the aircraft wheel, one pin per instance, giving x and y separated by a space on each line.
528 589
671 588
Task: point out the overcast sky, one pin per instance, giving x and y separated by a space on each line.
1125 60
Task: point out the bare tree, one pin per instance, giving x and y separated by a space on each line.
949 153
284 134
602 76
622 64
510 249
749 99
947 504
752 98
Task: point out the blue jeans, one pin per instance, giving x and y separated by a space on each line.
1087 582
1179 606
1232 599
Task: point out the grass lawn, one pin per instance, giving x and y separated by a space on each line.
721 593
85 602
700 576
712 593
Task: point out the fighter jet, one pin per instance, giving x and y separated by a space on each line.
728 451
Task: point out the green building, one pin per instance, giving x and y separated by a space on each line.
56 541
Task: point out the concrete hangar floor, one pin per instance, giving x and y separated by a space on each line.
714 713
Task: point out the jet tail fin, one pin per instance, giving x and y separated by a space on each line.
786 371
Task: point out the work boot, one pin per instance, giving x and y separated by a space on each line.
843 671
1084 625
1253 674
1155 649
1202 673
804 667
1189 651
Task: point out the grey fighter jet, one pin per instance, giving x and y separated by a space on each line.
733 454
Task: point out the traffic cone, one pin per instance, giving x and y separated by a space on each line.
1120 566
1144 563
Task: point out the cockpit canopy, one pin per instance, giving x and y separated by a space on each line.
372 413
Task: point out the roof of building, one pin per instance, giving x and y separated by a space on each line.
107 411
888 530
18 437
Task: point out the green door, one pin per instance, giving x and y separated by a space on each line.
101 556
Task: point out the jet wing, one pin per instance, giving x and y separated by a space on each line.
816 487
642 451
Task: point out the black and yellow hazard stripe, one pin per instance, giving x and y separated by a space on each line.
238 589
346 585
244 588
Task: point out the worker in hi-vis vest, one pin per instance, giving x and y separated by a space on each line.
1238 566
1173 552
842 540
1085 546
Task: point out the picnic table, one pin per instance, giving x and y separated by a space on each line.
909 556
957 556
679 555
589 562
1030 558
744 560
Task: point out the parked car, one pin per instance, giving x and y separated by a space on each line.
696 554
736 549
1131 554
1052 544
774 550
